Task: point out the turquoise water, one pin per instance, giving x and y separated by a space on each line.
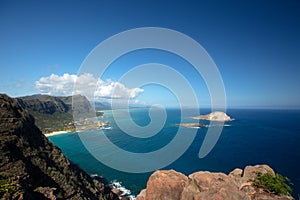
255 137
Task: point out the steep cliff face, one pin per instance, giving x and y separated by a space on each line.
50 104
31 167
169 184
54 113
44 104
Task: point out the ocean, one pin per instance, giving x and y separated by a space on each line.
255 136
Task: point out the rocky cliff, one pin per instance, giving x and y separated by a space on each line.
203 185
31 167
214 116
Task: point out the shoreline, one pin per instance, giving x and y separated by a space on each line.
57 133
191 125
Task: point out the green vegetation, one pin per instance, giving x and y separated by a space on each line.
8 187
277 183
54 113
53 122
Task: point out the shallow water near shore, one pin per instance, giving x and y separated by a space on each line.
255 137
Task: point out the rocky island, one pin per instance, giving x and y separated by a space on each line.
214 116
191 125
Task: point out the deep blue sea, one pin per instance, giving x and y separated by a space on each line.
254 137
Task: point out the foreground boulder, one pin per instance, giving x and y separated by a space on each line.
32 168
203 185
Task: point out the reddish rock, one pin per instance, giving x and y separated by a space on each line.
238 173
169 181
215 186
203 185
250 172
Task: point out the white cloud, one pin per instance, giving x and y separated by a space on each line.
116 90
56 85
85 84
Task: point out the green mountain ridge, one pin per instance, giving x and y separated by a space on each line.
53 113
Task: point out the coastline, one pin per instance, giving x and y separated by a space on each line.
57 133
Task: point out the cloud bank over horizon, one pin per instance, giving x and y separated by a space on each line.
85 84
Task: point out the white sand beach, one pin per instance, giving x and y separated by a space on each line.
57 133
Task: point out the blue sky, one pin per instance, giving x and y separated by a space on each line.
255 44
